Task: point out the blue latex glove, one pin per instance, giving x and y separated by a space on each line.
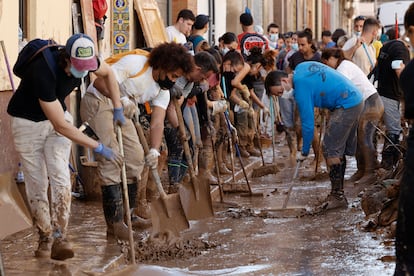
119 117
105 152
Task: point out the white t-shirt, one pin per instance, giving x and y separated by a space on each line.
175 35
364 56
142 88
355 74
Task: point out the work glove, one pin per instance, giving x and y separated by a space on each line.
245 92
219 106
119 118
106 152
300 156
151 159
130 108
243 104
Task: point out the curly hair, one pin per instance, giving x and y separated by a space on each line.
170 57
269 58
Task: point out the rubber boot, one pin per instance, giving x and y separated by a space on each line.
143 209
359 156
221 163
370 176
113 208
390 154
136 221
224 156
207 163
336 199
252 151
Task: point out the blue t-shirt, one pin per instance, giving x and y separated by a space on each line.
317 85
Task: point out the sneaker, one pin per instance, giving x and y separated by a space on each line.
366 180
61 249
334 201
43 250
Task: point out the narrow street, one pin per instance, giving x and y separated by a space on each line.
248 239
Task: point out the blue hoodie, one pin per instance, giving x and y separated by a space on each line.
318 85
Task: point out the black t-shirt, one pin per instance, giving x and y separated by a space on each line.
388 83
298 58
407 86
39 84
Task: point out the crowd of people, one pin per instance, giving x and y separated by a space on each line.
228 93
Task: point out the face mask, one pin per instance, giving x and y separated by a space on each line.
358 34
166 83
274 37
224 51
295 46
77 74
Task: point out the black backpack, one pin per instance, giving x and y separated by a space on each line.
32 49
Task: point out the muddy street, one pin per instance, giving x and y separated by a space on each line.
247 238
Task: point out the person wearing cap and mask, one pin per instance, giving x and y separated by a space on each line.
144 77
43 129
200 28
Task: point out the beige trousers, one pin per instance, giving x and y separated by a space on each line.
99 114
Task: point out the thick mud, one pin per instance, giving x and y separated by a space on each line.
249 235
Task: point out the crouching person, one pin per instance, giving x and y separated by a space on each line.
142 77
317 85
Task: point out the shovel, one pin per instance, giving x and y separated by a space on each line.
195 198
285 212
167 214
126 197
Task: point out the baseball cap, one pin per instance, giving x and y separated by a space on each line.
201 21
81 50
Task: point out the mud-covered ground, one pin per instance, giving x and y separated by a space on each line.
248 235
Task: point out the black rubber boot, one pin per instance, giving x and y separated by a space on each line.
114 211
390 154
336 199
136 221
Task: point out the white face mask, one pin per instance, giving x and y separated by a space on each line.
358 34
295 46
224 51
274 37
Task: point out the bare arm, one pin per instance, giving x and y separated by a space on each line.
107 84
157 126
255 99
236 82
55 114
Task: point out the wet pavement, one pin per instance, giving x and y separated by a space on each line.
249 239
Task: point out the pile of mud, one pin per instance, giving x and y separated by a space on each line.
161 249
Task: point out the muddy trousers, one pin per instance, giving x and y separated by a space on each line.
404 239
44 154
177 165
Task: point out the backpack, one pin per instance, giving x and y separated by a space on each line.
113 59
32 50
